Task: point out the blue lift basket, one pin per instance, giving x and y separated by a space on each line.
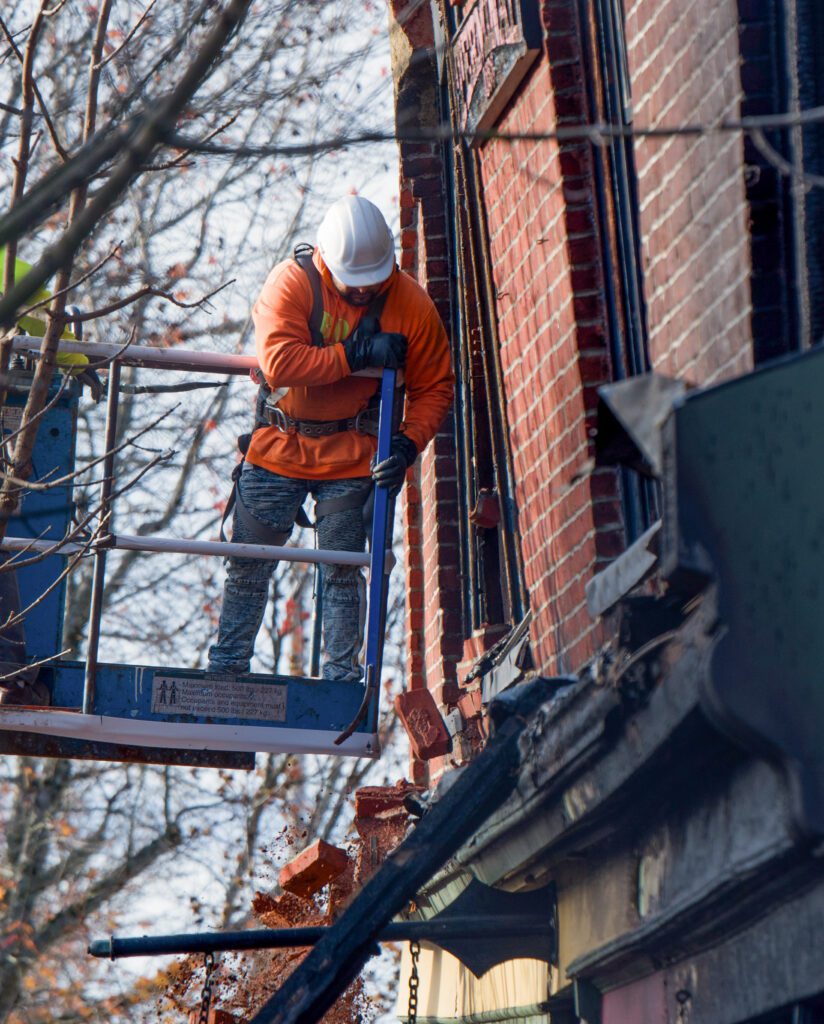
156 714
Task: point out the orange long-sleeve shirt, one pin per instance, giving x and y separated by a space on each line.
320 384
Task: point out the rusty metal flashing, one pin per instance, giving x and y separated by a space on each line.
631 414
607 587
591 762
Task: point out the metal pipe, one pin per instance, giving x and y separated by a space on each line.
308 935
467 484
630 496
616 90
513 591
174 545
98 579
501 451
796 43
466 427
157 358
380 543
317 624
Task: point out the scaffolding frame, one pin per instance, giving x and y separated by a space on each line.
91 726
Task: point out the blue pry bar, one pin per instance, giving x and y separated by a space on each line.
381 538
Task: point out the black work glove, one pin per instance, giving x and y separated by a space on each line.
367 347
391 473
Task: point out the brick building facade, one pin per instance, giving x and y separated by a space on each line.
595 214
559 266
618 514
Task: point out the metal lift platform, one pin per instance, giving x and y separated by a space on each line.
160 714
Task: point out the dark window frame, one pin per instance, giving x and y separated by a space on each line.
492 578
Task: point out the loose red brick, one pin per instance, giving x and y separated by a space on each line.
312 869
420 772
470 704
423 723
383 801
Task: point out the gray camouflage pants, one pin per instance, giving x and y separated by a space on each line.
275 501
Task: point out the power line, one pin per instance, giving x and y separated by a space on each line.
598 134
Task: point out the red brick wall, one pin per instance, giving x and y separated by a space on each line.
684 65
429 505
546 267
547 274
434 642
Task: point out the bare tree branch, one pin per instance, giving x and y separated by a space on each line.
155 123
143 293
70 916
102 63
24 59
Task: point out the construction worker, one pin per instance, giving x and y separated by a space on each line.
360 311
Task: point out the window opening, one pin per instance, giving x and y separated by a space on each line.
493 590
609 100
776 297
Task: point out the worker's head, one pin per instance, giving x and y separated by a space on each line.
357 247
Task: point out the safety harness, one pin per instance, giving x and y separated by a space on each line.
268 414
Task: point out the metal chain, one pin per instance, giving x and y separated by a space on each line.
206 994
414 952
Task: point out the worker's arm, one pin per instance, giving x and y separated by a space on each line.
430 382
283 342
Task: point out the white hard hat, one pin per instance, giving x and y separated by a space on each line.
356 243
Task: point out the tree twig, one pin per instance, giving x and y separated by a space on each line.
102 63
58 146
74 284
37 486
32 664
154 124
142 293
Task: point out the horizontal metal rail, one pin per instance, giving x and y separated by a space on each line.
181 735
175 545
470 927
158 358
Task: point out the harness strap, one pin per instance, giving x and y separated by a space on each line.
365 422
262 532
265 534
357 499
303 257
267 412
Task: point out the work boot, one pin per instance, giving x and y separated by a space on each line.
34 693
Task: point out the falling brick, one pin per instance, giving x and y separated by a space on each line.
312 869
383 801
283 911
422 720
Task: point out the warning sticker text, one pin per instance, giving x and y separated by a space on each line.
218 698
